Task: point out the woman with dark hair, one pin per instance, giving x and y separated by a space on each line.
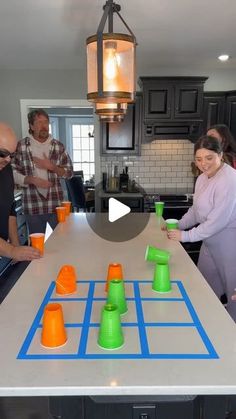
223 134
212 219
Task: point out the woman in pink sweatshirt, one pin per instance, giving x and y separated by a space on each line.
212 219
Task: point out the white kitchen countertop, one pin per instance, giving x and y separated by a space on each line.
75 243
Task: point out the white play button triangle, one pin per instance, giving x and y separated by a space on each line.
116 210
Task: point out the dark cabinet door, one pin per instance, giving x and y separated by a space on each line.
123 137
213 109
157 101
188 101
230 115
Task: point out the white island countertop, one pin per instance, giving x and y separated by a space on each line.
191 351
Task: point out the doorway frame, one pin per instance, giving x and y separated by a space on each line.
26 104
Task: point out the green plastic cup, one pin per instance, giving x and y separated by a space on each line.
153 254
110 335
159 208
161 279
116 295
172 224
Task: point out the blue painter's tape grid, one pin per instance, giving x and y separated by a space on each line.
86 325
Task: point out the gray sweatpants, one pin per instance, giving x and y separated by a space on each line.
217 263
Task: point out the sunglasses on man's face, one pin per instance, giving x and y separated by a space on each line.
6 153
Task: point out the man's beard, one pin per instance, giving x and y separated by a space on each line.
43 134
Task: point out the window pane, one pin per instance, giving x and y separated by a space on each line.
77 166
76 143
84 130
91 143
85 156
85 143
75 130
76 156
83 148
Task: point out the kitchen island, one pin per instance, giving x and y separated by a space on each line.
183 366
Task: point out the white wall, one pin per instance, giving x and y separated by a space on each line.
25 84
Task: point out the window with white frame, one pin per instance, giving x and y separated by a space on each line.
80 140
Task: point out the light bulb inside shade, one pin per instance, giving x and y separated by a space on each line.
111 60
223 57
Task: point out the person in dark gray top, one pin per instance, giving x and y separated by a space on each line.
9 243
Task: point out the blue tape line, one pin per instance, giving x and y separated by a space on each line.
87 315
197 322
140 318
140 324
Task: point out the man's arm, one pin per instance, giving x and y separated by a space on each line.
12 231
18 253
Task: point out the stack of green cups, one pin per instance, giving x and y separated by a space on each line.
110 334
172 224
153 254
159 208
161 279
116 295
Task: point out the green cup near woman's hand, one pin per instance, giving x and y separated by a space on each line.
172 224
159 207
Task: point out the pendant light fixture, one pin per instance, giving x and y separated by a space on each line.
111 63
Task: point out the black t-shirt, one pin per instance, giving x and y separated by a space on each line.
7 206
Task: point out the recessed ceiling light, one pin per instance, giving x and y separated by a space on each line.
223 57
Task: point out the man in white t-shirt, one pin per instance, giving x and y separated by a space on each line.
40 162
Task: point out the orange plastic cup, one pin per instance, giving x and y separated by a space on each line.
114 272
66 280
61 214
53 330
67 205
37 241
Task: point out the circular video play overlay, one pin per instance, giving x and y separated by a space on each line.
118 224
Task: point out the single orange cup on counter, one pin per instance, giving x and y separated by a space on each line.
37 241
61 214
67 205
66 280
53 330
114 272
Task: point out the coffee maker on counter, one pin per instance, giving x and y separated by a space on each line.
111 180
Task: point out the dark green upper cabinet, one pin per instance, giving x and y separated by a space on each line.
230 112
172 98
172 107
220 108
213 109
123 138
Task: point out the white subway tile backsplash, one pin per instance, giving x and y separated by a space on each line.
163 163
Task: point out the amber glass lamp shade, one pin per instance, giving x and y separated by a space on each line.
118 69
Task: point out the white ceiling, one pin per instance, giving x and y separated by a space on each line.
174 36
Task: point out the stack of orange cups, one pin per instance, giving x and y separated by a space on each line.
37 241
66 280
53 330
61 214
114 272
67 205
